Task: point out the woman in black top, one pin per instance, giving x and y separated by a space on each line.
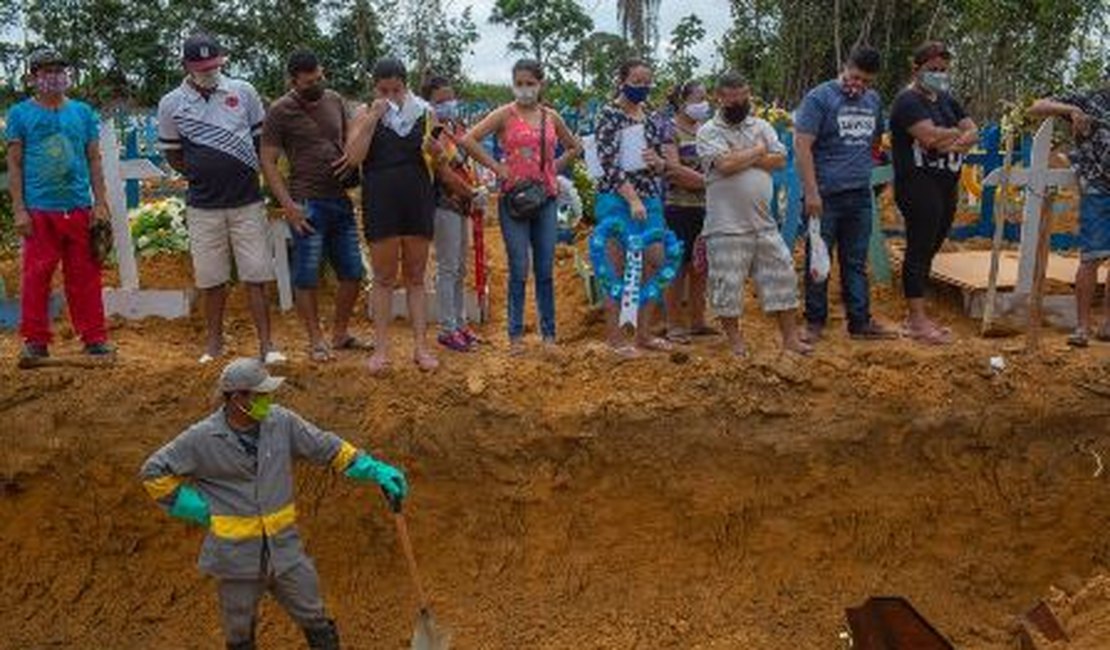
931 133
390 138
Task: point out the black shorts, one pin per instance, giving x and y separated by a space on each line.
686 222
398 202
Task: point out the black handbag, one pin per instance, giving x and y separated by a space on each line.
526 198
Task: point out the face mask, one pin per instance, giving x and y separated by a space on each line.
526 95
447 110
260 407
636 94
313 93
936 82
52 83
208 79
736 113
698 112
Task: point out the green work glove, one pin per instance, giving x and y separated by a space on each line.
392 480
190 506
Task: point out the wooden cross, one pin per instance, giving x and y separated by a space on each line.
129 300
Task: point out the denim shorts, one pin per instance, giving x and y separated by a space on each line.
335 237
610 205
1094 226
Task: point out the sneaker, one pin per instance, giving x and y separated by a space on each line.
472 339
32 353
455 341
99 349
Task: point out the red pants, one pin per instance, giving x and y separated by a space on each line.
61 237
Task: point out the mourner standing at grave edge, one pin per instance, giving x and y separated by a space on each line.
209 128
53 162
309 125
1089 114
931 134
836 125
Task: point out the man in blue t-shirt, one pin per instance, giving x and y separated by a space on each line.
834 130
53 163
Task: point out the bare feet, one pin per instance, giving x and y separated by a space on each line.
379 363
655 344
797 346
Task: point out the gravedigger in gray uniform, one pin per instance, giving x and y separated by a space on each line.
232 473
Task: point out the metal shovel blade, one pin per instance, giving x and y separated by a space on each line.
428 635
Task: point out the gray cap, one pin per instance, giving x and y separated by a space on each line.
43 57
248 374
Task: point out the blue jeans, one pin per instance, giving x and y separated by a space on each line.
846 229
336 236
533 239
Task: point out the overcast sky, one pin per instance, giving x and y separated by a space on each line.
491 60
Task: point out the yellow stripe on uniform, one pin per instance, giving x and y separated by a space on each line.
232 527
343 458
163 486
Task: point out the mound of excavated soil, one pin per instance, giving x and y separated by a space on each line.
574 501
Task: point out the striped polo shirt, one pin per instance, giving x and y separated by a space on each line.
217 136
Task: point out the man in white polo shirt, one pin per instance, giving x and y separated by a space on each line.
209 128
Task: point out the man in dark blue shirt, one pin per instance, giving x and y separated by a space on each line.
835 127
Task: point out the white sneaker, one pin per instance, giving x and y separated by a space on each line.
274 357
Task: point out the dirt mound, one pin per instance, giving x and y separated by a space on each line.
575 501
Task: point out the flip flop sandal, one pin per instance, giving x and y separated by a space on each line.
425 361
625 352
705 330
320 353
656 344
352 342
680 336
934 337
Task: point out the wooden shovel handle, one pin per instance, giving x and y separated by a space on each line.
406 546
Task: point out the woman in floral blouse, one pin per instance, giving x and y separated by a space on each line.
629 194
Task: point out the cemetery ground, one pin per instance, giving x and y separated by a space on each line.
572 501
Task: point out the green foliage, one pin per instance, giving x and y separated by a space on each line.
544 30
1004 48
596 59
681 65
492 94
159 227
355 42
429 40
639 21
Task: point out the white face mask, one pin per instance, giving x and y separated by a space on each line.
699 112
526 95
208 79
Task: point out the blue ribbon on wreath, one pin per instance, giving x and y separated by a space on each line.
651 289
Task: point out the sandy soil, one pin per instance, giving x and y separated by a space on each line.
573 501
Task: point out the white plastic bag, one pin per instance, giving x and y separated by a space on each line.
819 263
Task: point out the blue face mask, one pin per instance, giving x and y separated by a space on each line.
448 110
636 94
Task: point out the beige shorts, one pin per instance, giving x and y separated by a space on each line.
216 235
761 255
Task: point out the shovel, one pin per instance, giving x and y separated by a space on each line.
427 635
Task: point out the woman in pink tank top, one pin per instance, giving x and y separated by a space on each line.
518 126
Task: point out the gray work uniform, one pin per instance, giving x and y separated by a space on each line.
252 544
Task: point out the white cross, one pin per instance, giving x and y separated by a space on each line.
1036 179
129 301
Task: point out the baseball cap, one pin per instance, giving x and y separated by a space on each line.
43 57
929 51
202 52
248 374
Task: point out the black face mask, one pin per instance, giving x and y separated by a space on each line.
736 113
311 94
